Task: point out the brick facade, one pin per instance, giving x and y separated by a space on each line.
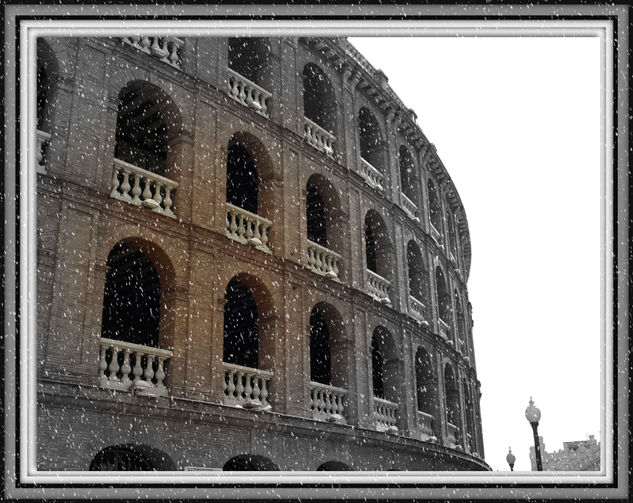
79 223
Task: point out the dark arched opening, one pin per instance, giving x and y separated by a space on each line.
334 466
131 457
249 463
470 431
417 273
435 212
241 178
131 301
250 57
425 381
141 136
452 398
370 139
461 335
443 298
320 361
319 100
377 245
241 337
385 365
407 174
316 215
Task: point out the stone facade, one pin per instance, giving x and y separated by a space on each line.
580 455
390 284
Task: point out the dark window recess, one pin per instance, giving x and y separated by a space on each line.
131 301
320 366
241 179
377 362
316 216
141 133
370 249
241 338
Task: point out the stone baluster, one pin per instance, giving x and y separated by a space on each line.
113 368
264 392
149 369
137 371
126 368
136 190
160 373
158 197
103 365
239 390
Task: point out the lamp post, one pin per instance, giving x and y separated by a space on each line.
533 414
510 458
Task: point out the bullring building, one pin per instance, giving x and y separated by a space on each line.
249 257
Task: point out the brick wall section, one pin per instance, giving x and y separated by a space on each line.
79 223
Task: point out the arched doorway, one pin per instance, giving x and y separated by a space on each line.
249 463
386 379
131 457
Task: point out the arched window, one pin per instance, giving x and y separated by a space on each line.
141 135
451 393
418 281
250 57
131 457
460 328
452 235
319 100
435 211
320 364
443 300
334 466
241 178
470 432
249 463
425 381
378 257
131 300
316 219
408 175
371 150
385 366
241 337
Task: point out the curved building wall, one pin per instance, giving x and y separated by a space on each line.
134 152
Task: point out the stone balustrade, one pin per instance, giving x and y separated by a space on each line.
379 287
318 137
435 234
140 187
248 93
247 228
166 49
373 177
385 415
451 435
246 387
443 328
416 309
42 138
327 402
425 424
409 207
123 366
323 261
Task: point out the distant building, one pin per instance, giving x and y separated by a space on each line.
580 455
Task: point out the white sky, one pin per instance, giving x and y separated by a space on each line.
516 122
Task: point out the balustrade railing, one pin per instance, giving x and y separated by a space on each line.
327 402
140 187
379 287
42 138
318 137
435 234
245 386
372 176
247 228
451 434
409 207
425 424
323 261
166 49
123 365
417 309
444 328
248 93
385 414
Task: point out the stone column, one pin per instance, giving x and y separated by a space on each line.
291 98
217 349
407 406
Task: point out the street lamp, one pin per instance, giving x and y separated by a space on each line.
533 414
510 458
